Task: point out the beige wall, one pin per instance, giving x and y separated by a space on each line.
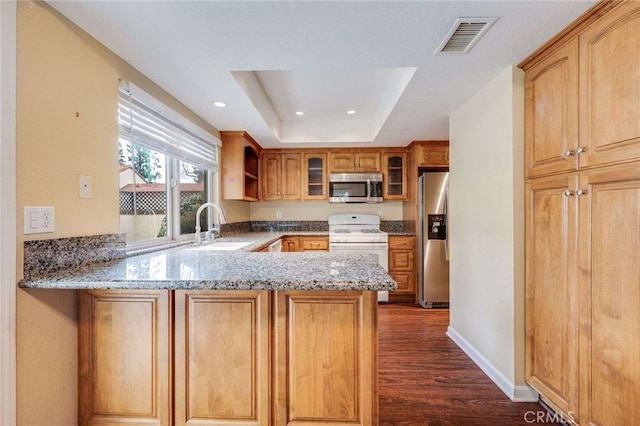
320 210
67 87
487 229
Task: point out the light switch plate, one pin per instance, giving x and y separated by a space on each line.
85 190
39 220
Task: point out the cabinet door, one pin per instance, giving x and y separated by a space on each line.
432 154
551 290
314 176
271 170
367 161
290 244
610 296
395 175
124 358
221 357
610 87
325 355
290 179
551 113
341 162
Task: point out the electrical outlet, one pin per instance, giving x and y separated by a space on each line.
39 220
278 214
381 214
84 189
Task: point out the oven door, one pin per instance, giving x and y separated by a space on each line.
379 249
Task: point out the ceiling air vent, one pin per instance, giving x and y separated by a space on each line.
464 34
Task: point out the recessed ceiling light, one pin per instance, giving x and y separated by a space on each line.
220 104
351 111
299 112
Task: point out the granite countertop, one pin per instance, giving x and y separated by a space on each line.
205 268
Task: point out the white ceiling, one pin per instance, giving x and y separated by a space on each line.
269 59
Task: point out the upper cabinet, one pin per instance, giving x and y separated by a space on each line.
394 170
432 153
583 94
281 180
551 113
240 166
610 87
350 161
314 176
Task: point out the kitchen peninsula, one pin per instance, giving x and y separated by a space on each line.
198 335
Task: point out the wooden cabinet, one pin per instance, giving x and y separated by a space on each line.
609 295
352 161
296 244
281 176
394 171
325 358
583 218
290 244
551 113
240 166
222 357
433 154
551 296
610 87
197 357
124 358
314 176
314 243
402 267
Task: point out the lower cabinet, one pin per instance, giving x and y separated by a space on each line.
325 353
221 361
227 357
293 244
124 357
402 267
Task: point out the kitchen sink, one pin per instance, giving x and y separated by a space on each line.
221 246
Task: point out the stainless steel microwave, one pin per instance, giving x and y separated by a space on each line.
355 188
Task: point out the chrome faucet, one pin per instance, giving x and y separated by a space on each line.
209 235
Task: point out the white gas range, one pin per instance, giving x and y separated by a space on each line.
360 233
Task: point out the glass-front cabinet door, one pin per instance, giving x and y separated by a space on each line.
314 176
395 175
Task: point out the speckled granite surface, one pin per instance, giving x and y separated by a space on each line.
204 267
43 257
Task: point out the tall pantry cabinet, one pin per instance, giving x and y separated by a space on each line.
582 137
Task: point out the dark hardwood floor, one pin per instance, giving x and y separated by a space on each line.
426 379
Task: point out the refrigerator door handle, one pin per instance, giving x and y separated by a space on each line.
446 222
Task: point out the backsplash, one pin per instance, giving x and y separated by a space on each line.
299 225
42 257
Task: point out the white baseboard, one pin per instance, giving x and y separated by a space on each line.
516 393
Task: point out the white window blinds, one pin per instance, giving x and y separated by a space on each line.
145 120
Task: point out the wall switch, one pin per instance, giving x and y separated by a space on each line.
39 220
84 186
380 213
278 215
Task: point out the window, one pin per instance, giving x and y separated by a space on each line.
167 166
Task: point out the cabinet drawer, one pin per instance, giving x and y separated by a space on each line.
401 243
401 261
404 280
315 244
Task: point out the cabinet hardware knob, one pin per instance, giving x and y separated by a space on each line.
567 193
568 153
580 150
581 192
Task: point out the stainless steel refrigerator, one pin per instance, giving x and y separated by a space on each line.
433 250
